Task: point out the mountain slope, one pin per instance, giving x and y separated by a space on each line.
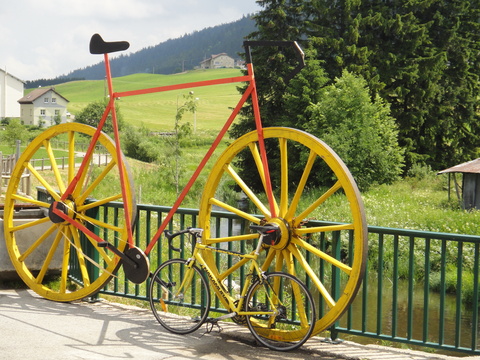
175 55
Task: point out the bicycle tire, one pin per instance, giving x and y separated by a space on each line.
184 312
292 303
55 259
316 254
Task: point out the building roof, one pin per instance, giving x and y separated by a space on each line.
214 57
35 94
6 73
467 167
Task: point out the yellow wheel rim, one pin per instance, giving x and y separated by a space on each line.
313 254
50 255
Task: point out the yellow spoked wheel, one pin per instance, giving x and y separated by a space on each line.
317 207
54 258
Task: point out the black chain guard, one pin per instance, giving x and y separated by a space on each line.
140 270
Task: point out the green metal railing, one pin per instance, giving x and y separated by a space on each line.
408 293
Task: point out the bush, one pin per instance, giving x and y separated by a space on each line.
93 112
360 130
137 144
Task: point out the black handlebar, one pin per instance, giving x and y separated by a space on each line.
196 232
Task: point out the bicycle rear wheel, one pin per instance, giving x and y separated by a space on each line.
54 258
179 296
316 205
293 304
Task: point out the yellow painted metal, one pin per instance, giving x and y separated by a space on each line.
297 203
42 250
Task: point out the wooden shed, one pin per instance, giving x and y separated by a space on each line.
470 189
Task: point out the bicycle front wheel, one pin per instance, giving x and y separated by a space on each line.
53 257
315 204
293 308
179 296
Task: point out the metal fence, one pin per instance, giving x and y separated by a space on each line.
421 288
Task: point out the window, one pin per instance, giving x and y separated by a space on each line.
54 100
45 100
43 112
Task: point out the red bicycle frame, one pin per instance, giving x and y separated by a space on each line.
110 109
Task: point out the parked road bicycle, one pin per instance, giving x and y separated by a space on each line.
180 299
75 233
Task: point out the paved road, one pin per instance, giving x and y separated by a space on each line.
36 329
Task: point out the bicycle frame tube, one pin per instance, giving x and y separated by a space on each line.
216 281
110 109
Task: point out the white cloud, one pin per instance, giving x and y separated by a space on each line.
48 38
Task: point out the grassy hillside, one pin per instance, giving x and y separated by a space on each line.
157 111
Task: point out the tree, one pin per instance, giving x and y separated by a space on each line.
14 131
359 129
137 144
93 112
419 55
173 154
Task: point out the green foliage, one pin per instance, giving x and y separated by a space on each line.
139 145
14 131
420 56
93 112
360 130
173 153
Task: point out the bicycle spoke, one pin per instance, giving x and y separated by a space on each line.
239 212
43 181
71 156
80 257
98 223
305 214
48 258
37 243
54 166
261 171
30 224
26 200
86 192
330 259
301 185
326 228
283 176
313 276
65 267
260 206
233 238
98 203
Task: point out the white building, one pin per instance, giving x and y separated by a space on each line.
43 106
218 61
11 89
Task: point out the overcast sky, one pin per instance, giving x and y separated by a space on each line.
49 38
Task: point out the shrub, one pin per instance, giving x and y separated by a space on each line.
360 130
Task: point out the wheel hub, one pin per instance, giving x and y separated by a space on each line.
285 232
67 207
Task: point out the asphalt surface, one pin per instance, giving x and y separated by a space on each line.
37 329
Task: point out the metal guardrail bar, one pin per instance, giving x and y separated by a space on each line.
396 302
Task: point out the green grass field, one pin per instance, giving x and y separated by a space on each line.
157 111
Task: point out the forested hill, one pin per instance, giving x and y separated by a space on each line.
174 55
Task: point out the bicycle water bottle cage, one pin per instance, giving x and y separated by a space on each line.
270 234
99 46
